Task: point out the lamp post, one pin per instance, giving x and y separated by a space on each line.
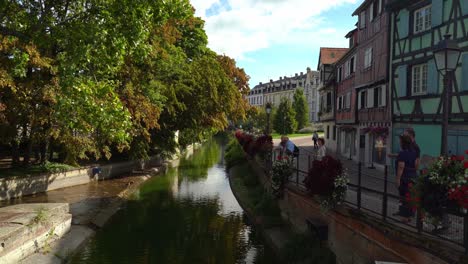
268 112
446 56
268 161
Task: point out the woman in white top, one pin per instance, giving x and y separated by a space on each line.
322 151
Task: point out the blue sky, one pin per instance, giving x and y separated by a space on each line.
272 38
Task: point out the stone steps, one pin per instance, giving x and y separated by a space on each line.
26 228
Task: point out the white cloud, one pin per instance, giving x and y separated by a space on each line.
250 25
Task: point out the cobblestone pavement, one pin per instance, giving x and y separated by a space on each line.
372 179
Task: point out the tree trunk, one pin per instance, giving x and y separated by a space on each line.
15 153
27 152
43 151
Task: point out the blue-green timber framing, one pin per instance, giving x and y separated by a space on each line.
424 112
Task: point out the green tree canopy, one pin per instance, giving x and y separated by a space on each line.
89 78
284 121
300 107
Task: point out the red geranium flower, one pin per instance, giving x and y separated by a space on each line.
461 158
454 158
466 152
466 164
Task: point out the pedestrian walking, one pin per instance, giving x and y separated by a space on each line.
406 175
322 151
315 138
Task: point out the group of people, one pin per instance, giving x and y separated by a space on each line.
287 147
407 163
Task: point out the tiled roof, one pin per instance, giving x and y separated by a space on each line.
331 55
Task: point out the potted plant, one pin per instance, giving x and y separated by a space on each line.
328 181
441 189
280 173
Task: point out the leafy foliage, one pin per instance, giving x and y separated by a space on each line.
443 186
328 180
284 120
89 78
234 154
300 107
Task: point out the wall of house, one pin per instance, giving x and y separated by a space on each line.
374 36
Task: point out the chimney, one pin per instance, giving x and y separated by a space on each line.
296 75
271 80
302 73
281 78
285 77
261 83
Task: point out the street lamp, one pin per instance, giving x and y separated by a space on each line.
268 111
268 162
446 56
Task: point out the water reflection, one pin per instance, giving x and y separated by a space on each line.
187 216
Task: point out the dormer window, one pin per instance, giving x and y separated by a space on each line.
362 19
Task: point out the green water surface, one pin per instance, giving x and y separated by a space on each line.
188 215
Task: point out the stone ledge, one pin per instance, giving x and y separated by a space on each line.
34 226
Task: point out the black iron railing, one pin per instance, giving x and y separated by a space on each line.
372 194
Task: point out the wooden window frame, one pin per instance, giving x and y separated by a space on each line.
422 79
426 25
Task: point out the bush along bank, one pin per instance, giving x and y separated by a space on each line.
261 206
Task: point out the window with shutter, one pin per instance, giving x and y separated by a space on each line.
383 101
363 99
464 83
402 80
403 23
352 65
420 78
362 19
377 97
370 98
359 100
348 100
433 78
423 19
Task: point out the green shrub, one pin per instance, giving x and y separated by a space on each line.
251 180
268 206
234 154
53 167
256 194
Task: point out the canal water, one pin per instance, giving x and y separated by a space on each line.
187 215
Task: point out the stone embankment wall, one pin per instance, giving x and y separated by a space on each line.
13 187
352 238
358 237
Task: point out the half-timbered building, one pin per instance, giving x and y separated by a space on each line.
345 72
416 27
327 91
371 83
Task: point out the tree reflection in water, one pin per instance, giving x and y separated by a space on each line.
188 215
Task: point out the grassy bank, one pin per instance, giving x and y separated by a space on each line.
48 167
297 135
253 196
264 209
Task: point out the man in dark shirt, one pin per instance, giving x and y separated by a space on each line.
414 146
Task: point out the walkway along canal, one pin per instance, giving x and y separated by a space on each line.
188 215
